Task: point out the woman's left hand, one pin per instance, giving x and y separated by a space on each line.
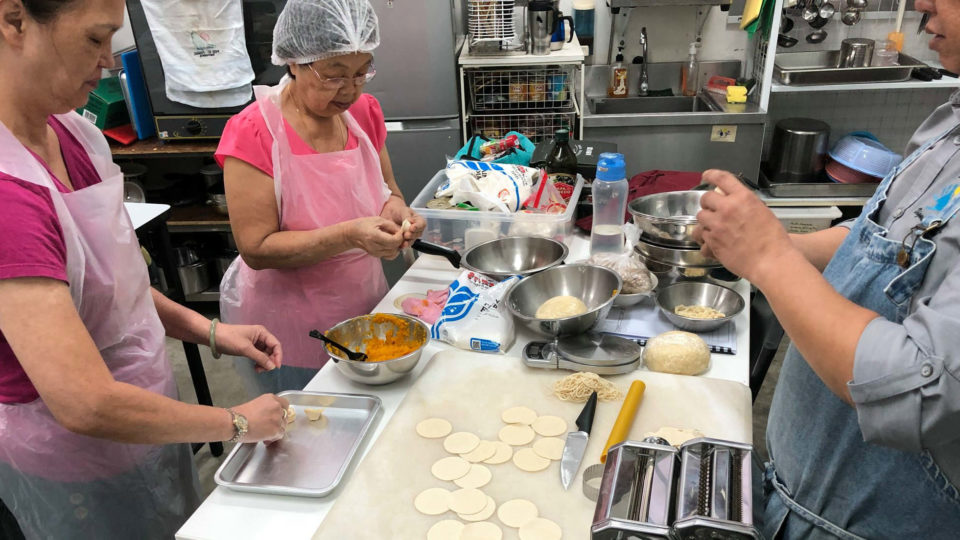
252 341
739 230
397 211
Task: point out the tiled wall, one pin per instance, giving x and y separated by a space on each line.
891 115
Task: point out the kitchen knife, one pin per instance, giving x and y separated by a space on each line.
577 443
625 419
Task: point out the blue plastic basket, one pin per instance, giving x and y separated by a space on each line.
864 155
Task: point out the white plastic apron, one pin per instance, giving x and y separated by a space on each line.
41 463
203 51
312 191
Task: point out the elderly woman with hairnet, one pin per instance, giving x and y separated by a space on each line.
313 201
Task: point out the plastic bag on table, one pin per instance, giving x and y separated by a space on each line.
634 274
474 317
488 186
546 198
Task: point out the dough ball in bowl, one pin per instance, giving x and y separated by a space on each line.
681 353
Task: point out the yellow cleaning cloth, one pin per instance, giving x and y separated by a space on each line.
751 11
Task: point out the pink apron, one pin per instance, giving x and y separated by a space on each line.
313 191
111 291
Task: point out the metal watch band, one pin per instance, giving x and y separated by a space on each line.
238 433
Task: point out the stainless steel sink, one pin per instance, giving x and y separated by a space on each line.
649 105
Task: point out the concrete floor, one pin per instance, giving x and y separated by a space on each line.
227 390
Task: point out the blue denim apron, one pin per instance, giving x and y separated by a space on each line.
823 480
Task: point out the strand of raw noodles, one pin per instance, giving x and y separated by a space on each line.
578 387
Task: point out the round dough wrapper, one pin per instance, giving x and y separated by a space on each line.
561 307
461 442
467 501
503 453
516 435
517 512
477 477
434 428
540 529
519 415
448 529
483 451
549 447
481 530
450 468
527 460
550 426
482 515
433 501
677 352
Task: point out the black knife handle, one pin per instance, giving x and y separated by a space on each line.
585 420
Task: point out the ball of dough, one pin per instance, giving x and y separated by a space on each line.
561 307
677 352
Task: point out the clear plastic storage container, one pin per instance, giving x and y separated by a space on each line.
461 229
805 219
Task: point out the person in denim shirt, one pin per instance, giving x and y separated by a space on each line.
864 430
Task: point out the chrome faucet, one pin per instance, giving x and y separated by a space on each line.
644 83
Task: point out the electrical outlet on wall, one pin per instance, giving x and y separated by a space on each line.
723 134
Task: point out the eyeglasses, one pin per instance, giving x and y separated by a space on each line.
336 83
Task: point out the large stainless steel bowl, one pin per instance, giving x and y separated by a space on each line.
675 256
695 293
503 257
595 285
667 218
352 333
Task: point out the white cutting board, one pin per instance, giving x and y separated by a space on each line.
470 390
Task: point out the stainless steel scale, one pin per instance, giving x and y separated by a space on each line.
602 354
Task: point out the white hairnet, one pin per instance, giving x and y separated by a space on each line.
310 30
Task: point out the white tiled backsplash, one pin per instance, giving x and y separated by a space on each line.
891 115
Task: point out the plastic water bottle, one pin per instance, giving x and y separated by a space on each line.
609 204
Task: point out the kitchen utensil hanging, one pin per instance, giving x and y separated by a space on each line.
819 22
850 17
786 41
817 36
827 10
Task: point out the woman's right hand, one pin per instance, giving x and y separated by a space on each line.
377 236
265 418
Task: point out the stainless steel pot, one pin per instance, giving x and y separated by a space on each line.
798 151
193 277
683 257
668 218
503 257
856 52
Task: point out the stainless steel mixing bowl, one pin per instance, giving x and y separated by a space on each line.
503 257
351 333
667 218
595 285
698 293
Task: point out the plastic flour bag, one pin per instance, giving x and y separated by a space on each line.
474 317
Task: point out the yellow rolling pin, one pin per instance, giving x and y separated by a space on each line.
621 428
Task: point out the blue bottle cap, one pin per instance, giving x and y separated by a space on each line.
611 167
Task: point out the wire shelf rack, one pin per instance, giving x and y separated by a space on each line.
490 20
536 126
547 88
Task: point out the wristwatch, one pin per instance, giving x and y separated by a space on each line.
240 426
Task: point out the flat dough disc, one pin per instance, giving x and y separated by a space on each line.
434 428
450 468
516 435
477 477
527 460
519 415
549 447
483 451
540 529
433 501
448 529
461 442
468 501
502 455
482 530
482 515
517 512
550 426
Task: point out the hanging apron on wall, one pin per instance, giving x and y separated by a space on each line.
312 191
202 50
59 484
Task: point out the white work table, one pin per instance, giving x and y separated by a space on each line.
230 514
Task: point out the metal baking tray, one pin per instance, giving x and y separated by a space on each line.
820 67
826 188
312 458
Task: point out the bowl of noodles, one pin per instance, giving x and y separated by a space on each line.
699 306
393 345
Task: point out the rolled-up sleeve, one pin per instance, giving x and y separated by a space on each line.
906 377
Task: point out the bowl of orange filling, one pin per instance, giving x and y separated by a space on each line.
393 345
